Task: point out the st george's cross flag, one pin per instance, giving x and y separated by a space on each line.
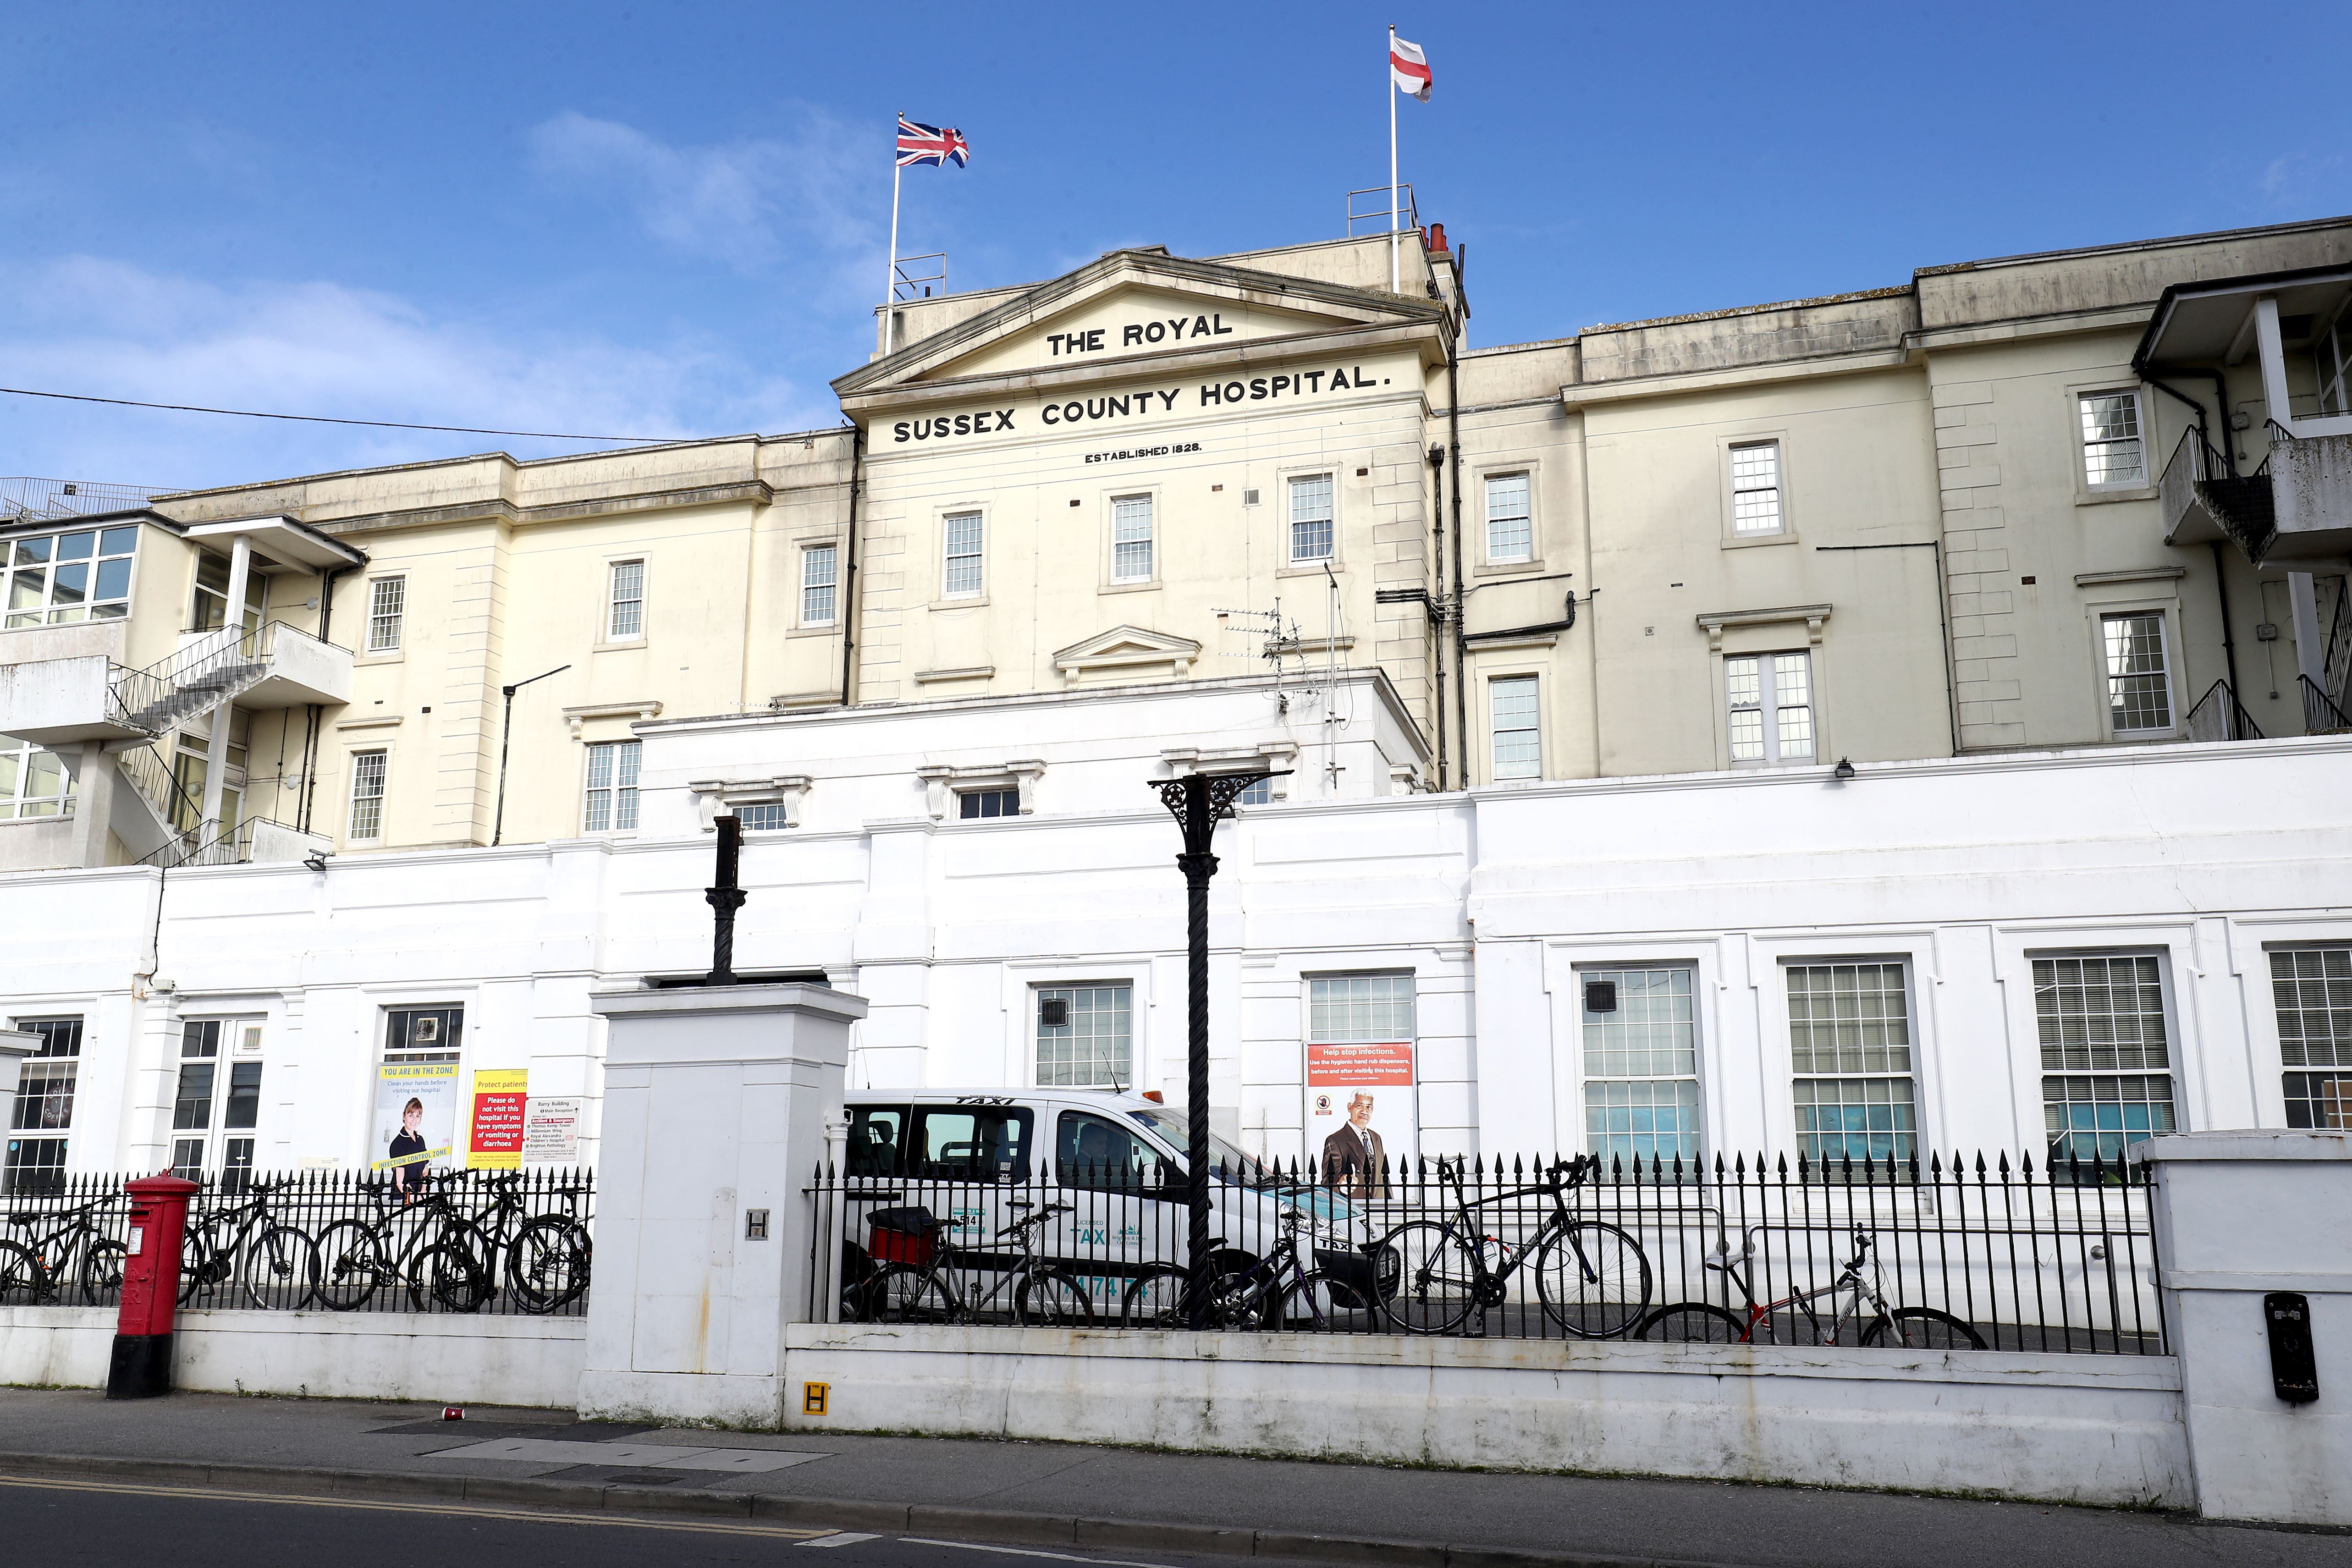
931 144
1408 68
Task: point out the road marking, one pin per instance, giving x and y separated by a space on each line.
441 1509
1027 1552
847 1538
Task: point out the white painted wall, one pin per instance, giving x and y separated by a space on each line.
2091 1429
1492 900
442 1358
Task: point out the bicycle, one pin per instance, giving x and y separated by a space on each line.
1703 1323
547 1255
1592 1277
1042 1293
435 1258
248 1243
1269 1291
77 1247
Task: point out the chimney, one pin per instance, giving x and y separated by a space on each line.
1435 238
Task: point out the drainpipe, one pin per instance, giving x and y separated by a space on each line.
1438 489
849 565
2230 460
1461 647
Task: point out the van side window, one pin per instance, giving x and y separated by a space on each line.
969 1143
1090 1152
874 1131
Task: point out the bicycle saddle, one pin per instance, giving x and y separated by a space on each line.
23 1218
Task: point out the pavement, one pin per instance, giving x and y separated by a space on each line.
1075 1500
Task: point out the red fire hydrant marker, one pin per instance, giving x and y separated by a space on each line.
142 1367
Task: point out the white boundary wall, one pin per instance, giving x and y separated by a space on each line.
2078 1429
2201 854
443 1358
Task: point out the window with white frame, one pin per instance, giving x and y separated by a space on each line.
2333 352
367 796
1756 489
387 603
763 816
1850 1046
971 805
32 781
1518 726
1311 517
820 582
963 579
2312 990
625 618
2139 687
1085 1035
1259 792
1511 522
1131 538
1640 1063
1356 1009
209 611
1772 700
41 1121
2105 1055
216 1104
81 574
611 802
2112 454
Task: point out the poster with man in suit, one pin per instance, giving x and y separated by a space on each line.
1360 1114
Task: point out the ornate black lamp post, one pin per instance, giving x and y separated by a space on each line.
1199 801
724 900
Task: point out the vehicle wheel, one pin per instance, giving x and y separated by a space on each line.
349 1257
1154 1299
1695 1322
101 1271
1053 1299
450 1275
23 1281
903 1293
1594 1280
1436 1277
280 1269
547 1267
1923 1328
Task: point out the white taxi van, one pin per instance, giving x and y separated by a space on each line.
981 1159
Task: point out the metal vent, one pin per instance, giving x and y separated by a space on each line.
1249 497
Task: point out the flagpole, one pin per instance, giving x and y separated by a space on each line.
1395 217
890 262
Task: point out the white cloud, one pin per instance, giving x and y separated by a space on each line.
109 328
754 204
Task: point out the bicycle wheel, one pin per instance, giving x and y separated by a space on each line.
1052 1298
201 1267
1923 1328
280 1269
101 1271
351 1265
1154 1299
905 1293
450 1275
1436 1273
1240 1303
1317 1302
23 1281
1594 1280
1695 1322
547 1267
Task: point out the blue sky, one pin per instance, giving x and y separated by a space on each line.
635 220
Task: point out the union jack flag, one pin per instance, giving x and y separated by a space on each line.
931 144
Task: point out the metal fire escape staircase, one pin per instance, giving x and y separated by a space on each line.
173 693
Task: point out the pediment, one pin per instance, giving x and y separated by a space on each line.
1134 306
1126 651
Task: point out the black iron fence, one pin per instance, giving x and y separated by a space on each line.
1980 1252
507 1242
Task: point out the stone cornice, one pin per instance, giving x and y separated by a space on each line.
498 508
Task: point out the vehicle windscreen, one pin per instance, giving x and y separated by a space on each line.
1225 1161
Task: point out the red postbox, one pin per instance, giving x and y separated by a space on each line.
141 1366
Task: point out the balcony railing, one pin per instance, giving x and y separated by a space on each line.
2321 713
2201 499
2218 716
